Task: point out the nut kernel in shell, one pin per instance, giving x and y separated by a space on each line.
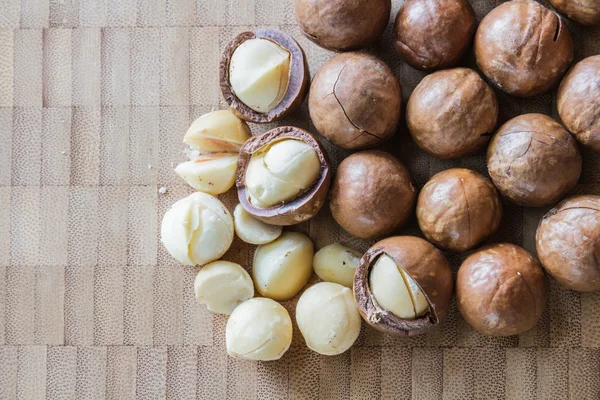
213 174
336 263
251 230
281 268
258 329
217 131
327 318
222 286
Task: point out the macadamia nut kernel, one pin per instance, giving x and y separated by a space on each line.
251 230
327 318
258 329
222 286
282 267
336 263
259 73
217 131
197 229
212 174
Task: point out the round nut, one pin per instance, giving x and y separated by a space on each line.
327 318
578 102
251 230
222 286
452 113
568 243
586 12
523 48
216 132
501 290
355 100
336 263
458 209
282 267
425 265
258 329
197 229
372 194
341 25
434 35
533 160
212 173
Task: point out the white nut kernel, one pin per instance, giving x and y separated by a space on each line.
222 286
197 229
258 329
282 267
336 263
328 318
217 131
251 230
259 73
395 290
212 174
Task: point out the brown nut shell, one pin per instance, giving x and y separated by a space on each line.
342 25
434 34
523 47
303 207
372 194
452 113
586 12
298 82
458 209
578 102
355 100
423 263
568 243
501 290
533 160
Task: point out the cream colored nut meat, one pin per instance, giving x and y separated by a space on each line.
258 329
251 230
259 73
395 291
217 131
282 267
281 172
197 229
222 286
336 263
212 174
327 318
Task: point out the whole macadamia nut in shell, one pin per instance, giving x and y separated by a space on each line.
434 34
586 12
372 194
458 209
523 48
533 160
501 290
452 113
355 100
568 243
343 24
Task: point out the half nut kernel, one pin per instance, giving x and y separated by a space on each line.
213 173
251 230
222 286
218 131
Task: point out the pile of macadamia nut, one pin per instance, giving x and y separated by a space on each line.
402 284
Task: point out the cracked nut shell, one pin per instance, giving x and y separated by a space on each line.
303 207
452 113
533 160
434 34
568 243
355 100
523 47
372 194
298 80
586 12
458 209
342 25
425 264
578 102
501 290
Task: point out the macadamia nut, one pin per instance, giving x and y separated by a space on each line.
327 318
251 230
259 73
212 174
258 329
336 263
282 267
217 131
222 286
197 229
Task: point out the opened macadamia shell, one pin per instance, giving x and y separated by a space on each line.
523 47
355 100
297 210
423 263
586 12
501 290
568 243
298 80
533 160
